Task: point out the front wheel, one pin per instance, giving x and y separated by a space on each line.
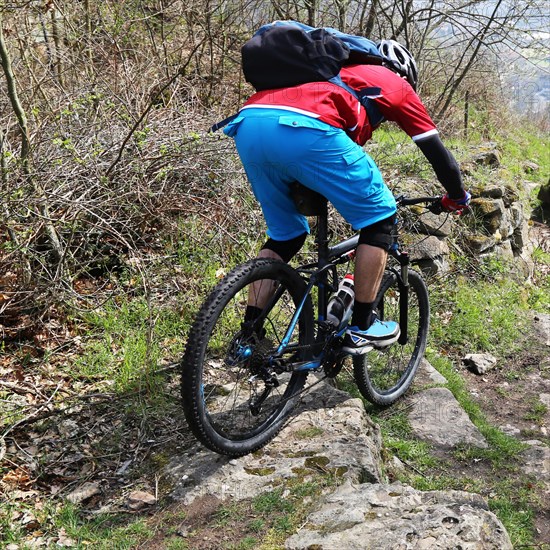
238 385
384 375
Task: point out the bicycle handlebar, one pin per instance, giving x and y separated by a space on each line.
433 204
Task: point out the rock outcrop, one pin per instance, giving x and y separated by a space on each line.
496 225
394 517
332 433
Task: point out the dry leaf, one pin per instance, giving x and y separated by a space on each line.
18 478
64 540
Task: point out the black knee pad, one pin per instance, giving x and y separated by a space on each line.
378 234
286 249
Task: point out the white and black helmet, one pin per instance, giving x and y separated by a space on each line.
401 60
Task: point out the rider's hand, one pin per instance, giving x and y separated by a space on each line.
457 206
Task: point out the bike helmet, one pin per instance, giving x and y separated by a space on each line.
400 60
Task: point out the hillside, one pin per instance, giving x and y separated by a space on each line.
120 211
91 411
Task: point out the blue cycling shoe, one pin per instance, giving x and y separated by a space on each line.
380 334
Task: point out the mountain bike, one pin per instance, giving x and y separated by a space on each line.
240 381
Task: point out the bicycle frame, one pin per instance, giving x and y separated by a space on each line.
327 259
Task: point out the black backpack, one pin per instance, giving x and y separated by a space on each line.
288 53
281 56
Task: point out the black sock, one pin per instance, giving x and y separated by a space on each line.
362 315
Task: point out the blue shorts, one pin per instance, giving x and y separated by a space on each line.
278 147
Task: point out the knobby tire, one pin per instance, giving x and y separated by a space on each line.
217 392
383 376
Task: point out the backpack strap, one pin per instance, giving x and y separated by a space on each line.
366 97
222 123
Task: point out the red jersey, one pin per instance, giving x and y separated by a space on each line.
330 103
325 101
396 100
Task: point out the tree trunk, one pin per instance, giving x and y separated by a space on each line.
369 26
25 142
14 99
56 35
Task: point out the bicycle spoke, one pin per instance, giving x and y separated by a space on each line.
245 384
383 375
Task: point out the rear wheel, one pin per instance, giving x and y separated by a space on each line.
384 375
237 386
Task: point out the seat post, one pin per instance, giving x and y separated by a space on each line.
322 239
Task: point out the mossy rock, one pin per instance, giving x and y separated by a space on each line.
479 243
489 191
317 462
511 195
485 207
489 158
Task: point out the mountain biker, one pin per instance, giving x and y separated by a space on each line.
312 133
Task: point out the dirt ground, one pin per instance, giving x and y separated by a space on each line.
510 397
107 446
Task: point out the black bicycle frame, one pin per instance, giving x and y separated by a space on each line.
329 257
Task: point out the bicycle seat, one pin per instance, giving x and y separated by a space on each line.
307 201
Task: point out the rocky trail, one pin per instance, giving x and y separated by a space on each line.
339 476
332 432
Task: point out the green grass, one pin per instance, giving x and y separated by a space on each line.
479 315
125 341
105 532
537 413
502 447
513 505
509 499
526 144
394 151
480 309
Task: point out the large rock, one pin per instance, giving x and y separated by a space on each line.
330 432
542 328
516 215
394 517
437 417
487 157
492 213
428 223
490 191
480 363
477 244
430 254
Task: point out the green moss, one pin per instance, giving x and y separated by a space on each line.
317 462
260 471
484 207
300 454
301 472
309 432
